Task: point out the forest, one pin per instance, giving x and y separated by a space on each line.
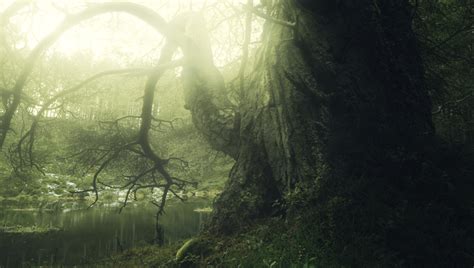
237 133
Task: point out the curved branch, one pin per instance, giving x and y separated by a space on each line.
205 95
36 119
145 14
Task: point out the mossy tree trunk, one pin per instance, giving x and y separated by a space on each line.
336 110
337 97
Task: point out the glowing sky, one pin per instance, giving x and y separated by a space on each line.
118 36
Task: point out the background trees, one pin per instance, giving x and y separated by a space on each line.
122 121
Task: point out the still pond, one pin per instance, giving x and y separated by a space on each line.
85 235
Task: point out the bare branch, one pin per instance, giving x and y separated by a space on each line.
269 18
141 12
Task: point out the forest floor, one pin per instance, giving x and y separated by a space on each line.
264 244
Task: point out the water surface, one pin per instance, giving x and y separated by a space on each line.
91 233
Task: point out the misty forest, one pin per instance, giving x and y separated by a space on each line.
237 133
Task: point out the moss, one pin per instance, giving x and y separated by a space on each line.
264 244
203 210
149 256
28 229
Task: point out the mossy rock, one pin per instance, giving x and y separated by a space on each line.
28 229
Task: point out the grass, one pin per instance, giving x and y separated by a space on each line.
265 244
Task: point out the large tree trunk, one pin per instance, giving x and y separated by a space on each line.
336 98
337 108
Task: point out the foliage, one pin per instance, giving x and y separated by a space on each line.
444 30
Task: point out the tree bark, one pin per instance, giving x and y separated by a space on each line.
337 108
204 89
339 96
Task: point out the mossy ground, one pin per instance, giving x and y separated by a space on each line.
147 256
267 243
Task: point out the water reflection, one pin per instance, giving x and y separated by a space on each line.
91 234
